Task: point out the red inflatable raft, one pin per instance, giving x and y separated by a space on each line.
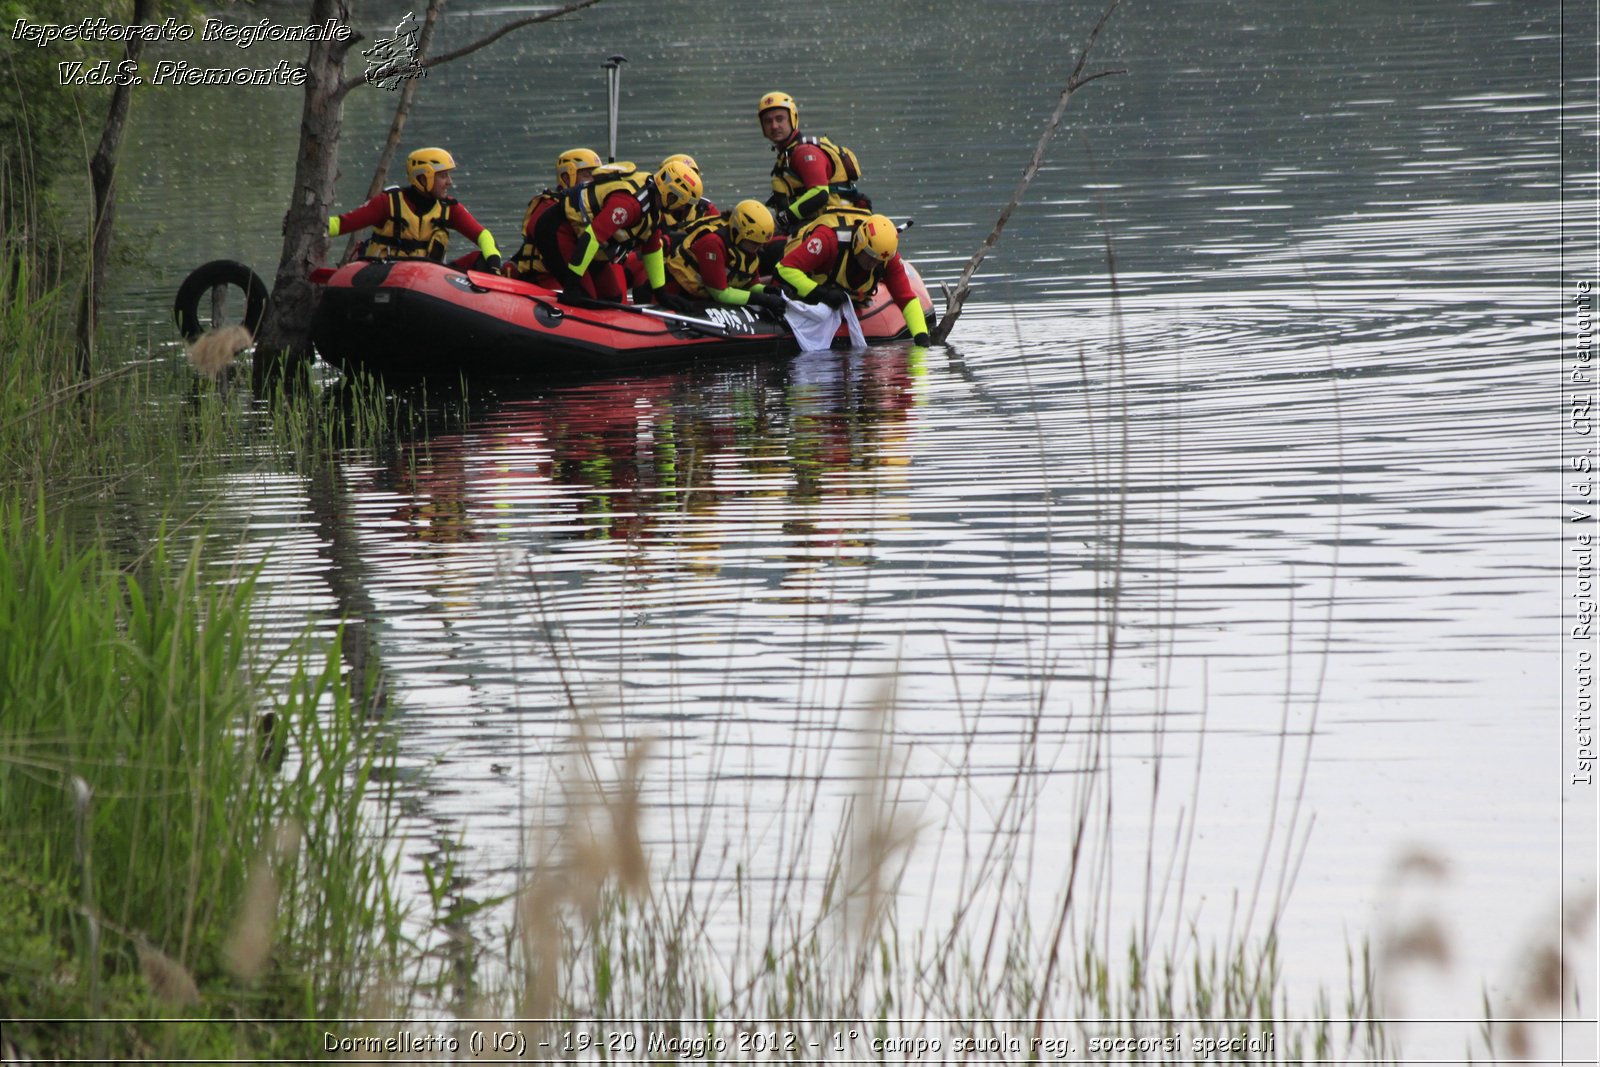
409 316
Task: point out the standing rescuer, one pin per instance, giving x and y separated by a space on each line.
411 222
810 174
834 264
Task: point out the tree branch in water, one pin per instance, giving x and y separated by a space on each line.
1075 81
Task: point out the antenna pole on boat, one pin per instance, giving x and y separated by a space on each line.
613 101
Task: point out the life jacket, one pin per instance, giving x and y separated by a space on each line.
537 206
408 235
742 268
528 260
841 219
841 182
585 202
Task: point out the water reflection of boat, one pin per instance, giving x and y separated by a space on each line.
617 460
411 316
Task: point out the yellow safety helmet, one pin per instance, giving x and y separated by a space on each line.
751 221
678 185
783 100
424 163
571 162
877 237
682 157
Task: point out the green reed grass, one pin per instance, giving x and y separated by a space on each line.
146 433
602 935
187 826
141 786
310 421
136 435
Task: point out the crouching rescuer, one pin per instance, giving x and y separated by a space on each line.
718 258
830 264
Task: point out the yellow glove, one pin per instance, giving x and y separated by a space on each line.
799 279
916 321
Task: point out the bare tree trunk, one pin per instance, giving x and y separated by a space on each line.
284 341
103 181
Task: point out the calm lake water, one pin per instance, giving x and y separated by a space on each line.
1303 465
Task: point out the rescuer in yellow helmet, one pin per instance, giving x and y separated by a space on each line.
623 210
833 264
681 218
809 174
411 222
718 258
544 216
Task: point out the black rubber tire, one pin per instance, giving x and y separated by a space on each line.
203 279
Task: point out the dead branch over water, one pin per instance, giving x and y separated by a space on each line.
1075 81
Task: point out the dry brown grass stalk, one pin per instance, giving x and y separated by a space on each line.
1413 936
249 945
539 923
169 980
214 351
1547 986
596 843
881 838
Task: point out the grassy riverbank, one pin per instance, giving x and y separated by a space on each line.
185 827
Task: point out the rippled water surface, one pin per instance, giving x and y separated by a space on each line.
1295 472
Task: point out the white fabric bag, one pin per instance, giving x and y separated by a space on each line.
815 325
